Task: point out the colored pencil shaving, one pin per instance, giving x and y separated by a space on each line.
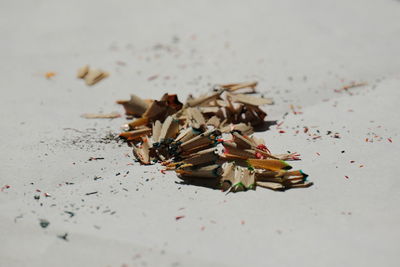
208 140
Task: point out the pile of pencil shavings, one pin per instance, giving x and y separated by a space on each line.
208 141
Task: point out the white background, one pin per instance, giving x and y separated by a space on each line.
299 51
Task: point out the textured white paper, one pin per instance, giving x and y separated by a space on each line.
298 51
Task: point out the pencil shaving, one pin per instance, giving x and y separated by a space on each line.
91 76
207 141
112 115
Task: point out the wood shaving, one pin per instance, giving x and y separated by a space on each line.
91 76
207 141
112 115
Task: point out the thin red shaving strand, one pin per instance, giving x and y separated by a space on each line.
263 148
295 156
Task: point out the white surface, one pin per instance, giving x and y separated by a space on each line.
299 51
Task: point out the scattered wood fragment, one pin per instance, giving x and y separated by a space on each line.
350 86
50 74
91 75
83 71
112 115
295 112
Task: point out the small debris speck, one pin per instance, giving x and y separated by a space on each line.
44 223
63 237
